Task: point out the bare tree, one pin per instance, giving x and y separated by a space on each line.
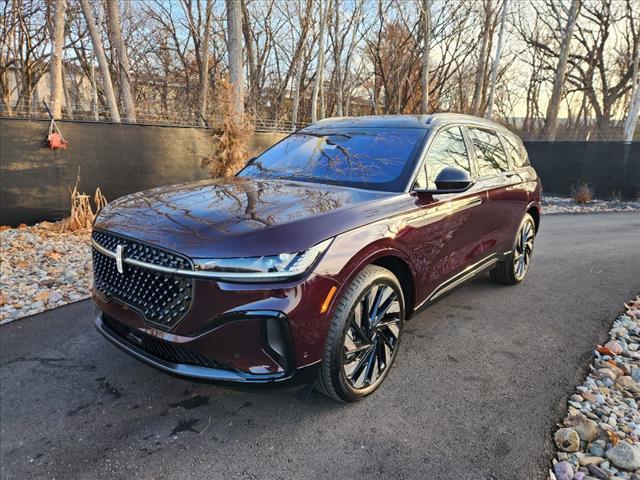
426 27
115 24
199 24
496 61
317 84
553 108
234 47
482 65
55 66
96 42
634 103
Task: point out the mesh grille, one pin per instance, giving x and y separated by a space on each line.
159 348
162 298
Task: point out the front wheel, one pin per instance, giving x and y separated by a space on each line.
513 268
363 337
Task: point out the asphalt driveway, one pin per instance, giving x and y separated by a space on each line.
481 378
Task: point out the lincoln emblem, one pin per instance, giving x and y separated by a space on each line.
119 250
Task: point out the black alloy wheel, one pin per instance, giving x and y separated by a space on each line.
364 336
513 269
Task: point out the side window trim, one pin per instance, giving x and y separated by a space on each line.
473 161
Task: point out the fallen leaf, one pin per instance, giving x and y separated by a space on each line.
42 296
54 255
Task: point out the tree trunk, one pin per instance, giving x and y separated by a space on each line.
296 94
94 90
426 26
234 48
480 72
337 53
68 98
634 103
317 83
203 64
113 10
496 62
55 67
551 125
96 41
254 81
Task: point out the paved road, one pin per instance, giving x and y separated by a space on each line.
481 379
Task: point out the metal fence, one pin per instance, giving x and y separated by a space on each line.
144 116
157 114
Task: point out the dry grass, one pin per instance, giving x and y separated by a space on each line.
233 139
582 193
82 214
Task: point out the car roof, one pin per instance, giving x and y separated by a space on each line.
403 121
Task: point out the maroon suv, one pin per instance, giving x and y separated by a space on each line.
307 263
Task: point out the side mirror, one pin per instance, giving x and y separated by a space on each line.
451 180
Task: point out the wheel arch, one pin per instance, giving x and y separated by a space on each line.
402 272
534 211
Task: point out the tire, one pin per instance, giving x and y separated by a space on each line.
359 351
515 266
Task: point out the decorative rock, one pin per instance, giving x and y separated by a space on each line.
567 439
34 262
625 456
586 461
587 429
628 383
563 471
55 297
597 448
555 205
613 347
605 373
604 412
598 472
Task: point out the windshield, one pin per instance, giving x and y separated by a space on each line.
372 158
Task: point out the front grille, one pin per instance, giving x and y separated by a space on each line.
157 347
162 298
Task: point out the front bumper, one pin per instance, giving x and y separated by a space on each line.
203 373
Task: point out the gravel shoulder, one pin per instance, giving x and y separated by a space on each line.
599 437
42 269
481 380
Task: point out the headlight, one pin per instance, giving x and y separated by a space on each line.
267 268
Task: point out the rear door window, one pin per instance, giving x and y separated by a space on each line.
516 151
492 159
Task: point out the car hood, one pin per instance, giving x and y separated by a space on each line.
240 216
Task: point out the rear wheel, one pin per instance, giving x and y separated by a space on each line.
513 269
364 336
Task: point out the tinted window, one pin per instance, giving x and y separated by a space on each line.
491 156
447 150
374 158
516 151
